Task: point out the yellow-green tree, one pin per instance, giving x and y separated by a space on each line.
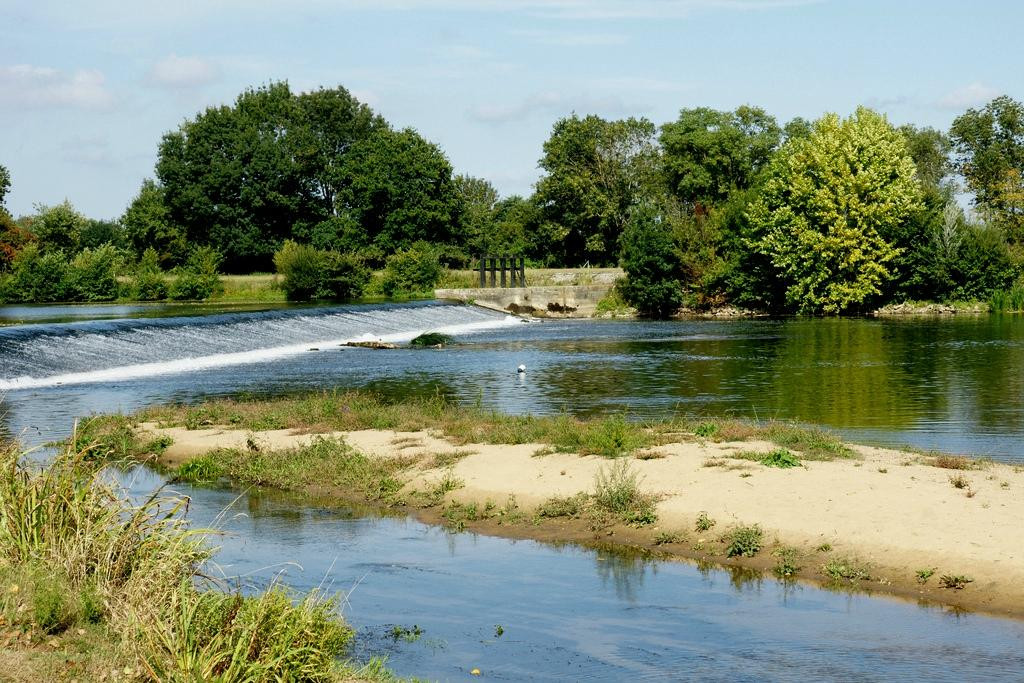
828 200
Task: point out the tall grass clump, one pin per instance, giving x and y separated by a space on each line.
1007 300
617 491
76 552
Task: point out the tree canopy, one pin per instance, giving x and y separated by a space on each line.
989 147
596 170
709 154
825 206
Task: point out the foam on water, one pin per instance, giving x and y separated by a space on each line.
52 355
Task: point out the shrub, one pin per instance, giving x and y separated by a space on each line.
37 277
431 339
653 284
412 271
743 541
197 279
148 283
316 274
92 274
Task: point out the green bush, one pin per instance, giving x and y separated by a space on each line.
414 270
197 279
653 284
92 274
310 273
743 541
148 283
37 277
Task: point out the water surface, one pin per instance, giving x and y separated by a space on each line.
567 613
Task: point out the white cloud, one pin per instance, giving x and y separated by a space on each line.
183 72
551 103
26 85
971 95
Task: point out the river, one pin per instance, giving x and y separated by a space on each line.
565 612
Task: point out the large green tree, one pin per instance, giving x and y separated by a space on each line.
595 171
826 205
709 154
398 188
58 228
242 178
147 224
989 147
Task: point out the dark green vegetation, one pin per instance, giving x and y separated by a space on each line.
93 583
838 215
431 339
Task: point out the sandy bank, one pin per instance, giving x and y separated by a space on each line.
889 509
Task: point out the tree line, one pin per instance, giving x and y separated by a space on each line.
834 215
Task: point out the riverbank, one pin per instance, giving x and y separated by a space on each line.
96 587
770 497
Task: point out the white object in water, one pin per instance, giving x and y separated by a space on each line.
521 369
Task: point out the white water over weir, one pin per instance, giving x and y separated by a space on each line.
34 356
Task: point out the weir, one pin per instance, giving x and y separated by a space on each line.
33 356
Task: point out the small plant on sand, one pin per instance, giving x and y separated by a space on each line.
704 523
706 430
743 541
781 458
824 548
955 581
923 575
960 482
846 569
570 506
786 566
617 491
953 462
667 537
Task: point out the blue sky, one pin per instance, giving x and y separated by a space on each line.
88 88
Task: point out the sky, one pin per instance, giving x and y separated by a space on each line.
87 88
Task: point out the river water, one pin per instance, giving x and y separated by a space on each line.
565 612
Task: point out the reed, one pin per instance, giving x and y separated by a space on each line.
123 583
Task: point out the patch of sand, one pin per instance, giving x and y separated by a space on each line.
888 508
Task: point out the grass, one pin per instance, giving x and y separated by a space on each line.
617 491
1007 300
122 585
743 541
954 462
846 569
612 436
922 575
616 497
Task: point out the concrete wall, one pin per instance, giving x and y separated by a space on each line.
570 301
